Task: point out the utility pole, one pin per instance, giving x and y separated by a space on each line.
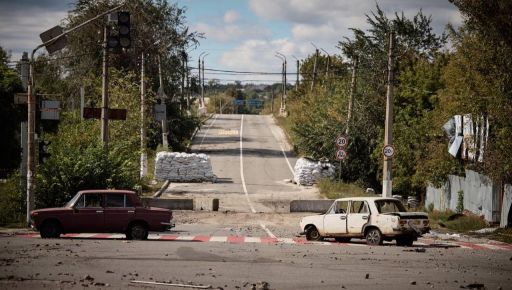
104 92
387 184
297 83
199 77
165 129
272 103
143 153
315 70
202 83
352 92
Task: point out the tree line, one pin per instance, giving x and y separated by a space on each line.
465 70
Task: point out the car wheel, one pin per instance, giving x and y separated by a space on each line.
50 230
312 234
137 231
342 239
373 237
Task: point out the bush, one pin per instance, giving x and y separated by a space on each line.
75 169
12 202
333 189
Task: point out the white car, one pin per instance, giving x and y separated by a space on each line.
374 218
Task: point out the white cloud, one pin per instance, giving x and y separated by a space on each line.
231 16
259 56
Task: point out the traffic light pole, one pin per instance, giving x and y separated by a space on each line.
104 92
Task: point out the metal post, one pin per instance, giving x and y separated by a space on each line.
143 153
31 165
352 92
314 70
165 129
297 83
104 92
284 86
387 184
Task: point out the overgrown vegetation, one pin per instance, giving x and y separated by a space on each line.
331 189
450 220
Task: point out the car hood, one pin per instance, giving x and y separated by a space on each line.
409 215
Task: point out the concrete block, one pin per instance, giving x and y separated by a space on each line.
319 206
172 204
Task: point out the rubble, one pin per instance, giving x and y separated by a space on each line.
183 167
308 171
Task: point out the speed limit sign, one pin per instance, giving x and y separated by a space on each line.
341 154
388 151
342 141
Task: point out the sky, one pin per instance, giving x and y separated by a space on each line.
241 35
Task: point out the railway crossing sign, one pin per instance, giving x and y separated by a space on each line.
341 154
342 141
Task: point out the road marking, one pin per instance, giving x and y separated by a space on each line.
426 243
208 129
270 234
218 239
286 158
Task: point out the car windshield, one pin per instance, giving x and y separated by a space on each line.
72 201
389 205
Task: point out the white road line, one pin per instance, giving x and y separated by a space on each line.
243 177
218 239
242 164
286 158
208 129
252 240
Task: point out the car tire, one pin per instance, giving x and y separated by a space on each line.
50 230
137 231
373 237
312 234
342 239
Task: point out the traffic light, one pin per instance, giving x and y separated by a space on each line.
123 24
43 151
120 38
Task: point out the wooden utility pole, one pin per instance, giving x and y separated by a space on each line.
104 92
315 70
31 119
387 184
143 153
298 71
352 92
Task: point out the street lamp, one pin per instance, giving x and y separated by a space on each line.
31 169
298 72
202 83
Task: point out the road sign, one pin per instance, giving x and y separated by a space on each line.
160 112
341 154
342 141
388 151
50 110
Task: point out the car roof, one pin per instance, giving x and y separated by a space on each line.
119 191
366 198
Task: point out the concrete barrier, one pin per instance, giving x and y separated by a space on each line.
319 206
207 204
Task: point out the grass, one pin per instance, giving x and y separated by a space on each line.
502 235
441 220
332 189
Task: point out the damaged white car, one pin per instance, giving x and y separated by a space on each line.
376 219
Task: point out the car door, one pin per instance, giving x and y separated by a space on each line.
335 221
88 214
357 216
119 211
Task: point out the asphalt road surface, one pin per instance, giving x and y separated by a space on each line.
251 243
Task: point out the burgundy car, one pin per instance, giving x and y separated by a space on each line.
102 211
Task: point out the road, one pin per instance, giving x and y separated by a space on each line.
251 242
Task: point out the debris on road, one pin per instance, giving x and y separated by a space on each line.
417 250
171 284
477 286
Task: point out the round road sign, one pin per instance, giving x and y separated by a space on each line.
341 154
342 141
388 151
